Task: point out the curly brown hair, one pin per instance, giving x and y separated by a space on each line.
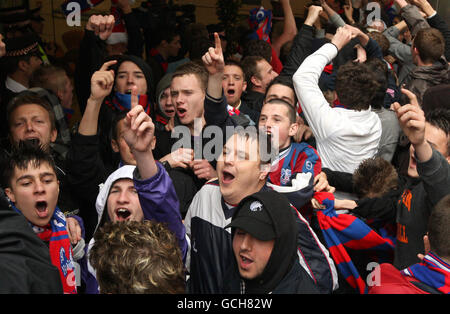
356 85
381 40
374 177
137 257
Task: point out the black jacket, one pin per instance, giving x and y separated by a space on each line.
85 173
246 110
25 265
302 47
254 100
410 207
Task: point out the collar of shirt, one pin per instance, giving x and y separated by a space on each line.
14 86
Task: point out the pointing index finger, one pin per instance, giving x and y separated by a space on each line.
107 64
412 97
217 43
134 97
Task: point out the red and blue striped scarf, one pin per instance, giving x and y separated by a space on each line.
343 231
122 102
432 271
85 5
55 233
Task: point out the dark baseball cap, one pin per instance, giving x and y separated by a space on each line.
255 215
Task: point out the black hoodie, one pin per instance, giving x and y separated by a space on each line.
283 273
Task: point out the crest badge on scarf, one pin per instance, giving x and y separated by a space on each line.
60 249
260 21
285 176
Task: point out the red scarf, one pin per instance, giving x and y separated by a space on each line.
233 111
56 235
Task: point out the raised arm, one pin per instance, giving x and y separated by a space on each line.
399 50
92 54
412 16
302 45
436 21
320 116
215 64
138 133
156 192
371 47
289 29
432 167
335 18
102 82
135 44
215 102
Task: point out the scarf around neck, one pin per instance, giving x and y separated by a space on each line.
432 271
55 233
122 102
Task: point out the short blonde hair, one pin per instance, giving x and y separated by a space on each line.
137 257
50 77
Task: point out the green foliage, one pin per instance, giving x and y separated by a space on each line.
228 13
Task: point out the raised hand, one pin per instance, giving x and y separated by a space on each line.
361 54
213 59
138 127
342 37
427 248
313 14
73 230
411 118
101 25
356 32
425 7
321 183
102 81
348 9
182 158
401 3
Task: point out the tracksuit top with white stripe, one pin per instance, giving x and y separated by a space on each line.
210 252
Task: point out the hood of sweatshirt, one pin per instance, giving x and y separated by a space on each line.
125 172
284 253
436 74
145 68
164 83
